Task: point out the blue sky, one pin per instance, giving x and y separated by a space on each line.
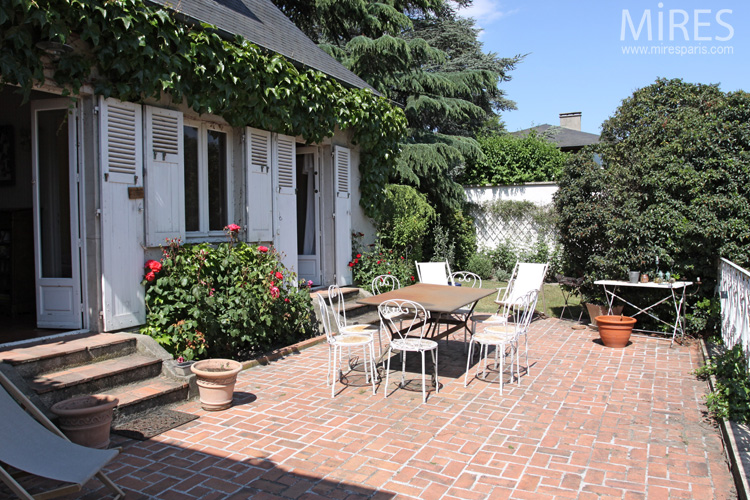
575 58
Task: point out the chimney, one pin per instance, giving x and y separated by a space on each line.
571 120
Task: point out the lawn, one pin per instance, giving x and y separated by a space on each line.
552 294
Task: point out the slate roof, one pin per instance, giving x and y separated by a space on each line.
260 22
565 138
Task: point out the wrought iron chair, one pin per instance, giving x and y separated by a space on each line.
336 343
472 280
338 306
415 316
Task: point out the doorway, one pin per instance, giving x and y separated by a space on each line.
308 214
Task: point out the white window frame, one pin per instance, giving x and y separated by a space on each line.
203 234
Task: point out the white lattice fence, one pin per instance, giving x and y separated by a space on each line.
520 233
734 289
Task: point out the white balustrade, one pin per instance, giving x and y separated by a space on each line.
734 289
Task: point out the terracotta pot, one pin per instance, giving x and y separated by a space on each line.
216 379
595 310
614 331
85 420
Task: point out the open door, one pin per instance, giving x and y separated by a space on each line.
308 210
57 242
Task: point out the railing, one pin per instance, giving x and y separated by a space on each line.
734 290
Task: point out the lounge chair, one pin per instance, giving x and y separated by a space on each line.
32 444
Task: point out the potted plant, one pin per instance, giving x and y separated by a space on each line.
614 331
182 367
216 379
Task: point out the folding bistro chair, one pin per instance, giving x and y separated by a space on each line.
434 273
30 443
526 277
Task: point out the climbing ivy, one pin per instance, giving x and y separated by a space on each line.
136 51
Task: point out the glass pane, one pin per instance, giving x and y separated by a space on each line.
54 193
192 204
217 180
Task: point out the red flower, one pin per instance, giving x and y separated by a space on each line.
402 257
356 261
380 261
150 276
389 272
412 278
279 276
359 255
232 228
153 265
262 249
275 292
351 264
286 299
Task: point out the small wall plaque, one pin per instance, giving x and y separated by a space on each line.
135 193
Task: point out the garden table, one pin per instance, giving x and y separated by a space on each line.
441 301
674 291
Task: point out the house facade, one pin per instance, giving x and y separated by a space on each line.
91 188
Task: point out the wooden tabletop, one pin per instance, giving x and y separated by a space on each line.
434 298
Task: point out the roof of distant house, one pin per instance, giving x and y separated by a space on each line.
565 138
260 22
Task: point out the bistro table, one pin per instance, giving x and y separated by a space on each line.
674 291
441 301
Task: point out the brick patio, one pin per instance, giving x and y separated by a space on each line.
587 422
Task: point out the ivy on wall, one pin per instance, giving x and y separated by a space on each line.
138 51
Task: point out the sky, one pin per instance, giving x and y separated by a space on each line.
577 51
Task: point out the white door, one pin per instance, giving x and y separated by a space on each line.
122 218
57 242
285 208
342 215
308 199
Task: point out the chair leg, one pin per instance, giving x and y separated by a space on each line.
526 352
424 383
468 361
336 374
437 383
372 366
387 371
502 366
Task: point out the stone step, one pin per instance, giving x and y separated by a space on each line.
147 394
93 378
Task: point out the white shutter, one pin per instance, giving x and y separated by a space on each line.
343 214
259 185
165 176
120 125
121 133
285 207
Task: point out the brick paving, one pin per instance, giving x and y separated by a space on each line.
587 422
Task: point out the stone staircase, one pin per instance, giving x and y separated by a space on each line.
130 367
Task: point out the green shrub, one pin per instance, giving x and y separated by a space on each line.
503 260
481 264
407 218
730 398
230 300
366 264
463 236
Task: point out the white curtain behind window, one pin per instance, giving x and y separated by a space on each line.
308 247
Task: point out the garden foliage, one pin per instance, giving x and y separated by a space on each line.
370 261
230 300
407 220
730 397
672 184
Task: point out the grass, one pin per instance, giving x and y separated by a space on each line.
553 297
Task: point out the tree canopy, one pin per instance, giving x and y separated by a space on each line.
672 184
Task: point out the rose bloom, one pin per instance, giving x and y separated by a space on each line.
153 265
359 255
275 292
232 228
262 249
351 264
309 283
150 276
279 276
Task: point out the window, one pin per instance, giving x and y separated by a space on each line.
207 192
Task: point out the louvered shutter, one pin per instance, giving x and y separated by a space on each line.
343 214
120 125
121 163
165 176
259 185
285 207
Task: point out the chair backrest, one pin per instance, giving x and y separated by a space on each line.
325 317
396 312
466 278
526 309
385 283
528 276
336 300
434 273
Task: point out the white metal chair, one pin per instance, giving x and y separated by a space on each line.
416 318
384 283
337 342
527 276
502 337
468 279
434 273
338 306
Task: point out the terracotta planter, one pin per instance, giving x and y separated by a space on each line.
615 331
85 420
595 310
216 379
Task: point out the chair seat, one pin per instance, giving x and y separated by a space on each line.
490 319
352 339
413 344
357 329
494 337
